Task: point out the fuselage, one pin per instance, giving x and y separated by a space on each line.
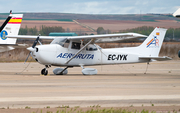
57 55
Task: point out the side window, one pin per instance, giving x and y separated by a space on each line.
76 45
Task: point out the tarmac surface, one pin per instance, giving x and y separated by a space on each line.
113 86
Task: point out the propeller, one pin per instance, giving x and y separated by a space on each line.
32 48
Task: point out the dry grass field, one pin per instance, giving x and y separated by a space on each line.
64 24
168 48
113 25
116 25
71 25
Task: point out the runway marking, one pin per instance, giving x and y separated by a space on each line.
90 98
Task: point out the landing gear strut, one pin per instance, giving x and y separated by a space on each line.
61 71
45 71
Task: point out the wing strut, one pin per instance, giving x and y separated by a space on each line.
79 51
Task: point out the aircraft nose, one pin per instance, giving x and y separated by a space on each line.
45 54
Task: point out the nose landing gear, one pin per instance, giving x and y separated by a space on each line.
45 71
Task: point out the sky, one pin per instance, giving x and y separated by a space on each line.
91 6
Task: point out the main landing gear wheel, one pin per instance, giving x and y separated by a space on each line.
44 71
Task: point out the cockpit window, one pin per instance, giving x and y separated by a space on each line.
76 45
64 42
91 47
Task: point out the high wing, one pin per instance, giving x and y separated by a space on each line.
97 38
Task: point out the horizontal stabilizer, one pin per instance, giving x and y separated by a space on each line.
157 58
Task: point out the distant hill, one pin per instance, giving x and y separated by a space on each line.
70 17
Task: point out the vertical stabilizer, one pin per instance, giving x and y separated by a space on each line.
10 27
152 45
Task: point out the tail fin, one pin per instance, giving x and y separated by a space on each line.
152 45
10 27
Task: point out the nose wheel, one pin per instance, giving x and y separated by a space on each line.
44 71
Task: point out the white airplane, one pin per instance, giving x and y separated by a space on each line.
177 13
82 51
10 27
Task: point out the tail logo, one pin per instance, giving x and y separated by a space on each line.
154 42
3 35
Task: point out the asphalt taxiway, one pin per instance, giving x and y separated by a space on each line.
113 86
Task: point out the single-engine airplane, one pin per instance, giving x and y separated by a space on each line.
11 26
82 51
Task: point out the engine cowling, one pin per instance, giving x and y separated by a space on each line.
57 71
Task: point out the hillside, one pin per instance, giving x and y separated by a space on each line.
70 17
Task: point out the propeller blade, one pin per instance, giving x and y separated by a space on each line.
27 57
35 42
30 49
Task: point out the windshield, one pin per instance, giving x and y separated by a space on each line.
59 41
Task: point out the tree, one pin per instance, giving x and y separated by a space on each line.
100 30
23 31
32 31
44 30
